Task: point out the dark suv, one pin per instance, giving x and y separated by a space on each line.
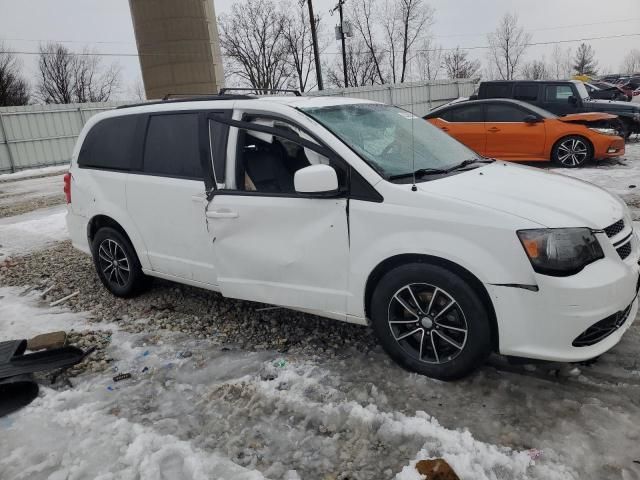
562 98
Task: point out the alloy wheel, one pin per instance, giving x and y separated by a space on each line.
114 262
428 323
572 152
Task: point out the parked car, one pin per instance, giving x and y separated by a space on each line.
562 98
517 131
359 212
606 91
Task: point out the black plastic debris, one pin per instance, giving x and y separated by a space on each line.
17 385
121 376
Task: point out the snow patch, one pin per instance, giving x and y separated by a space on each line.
32 231
34 172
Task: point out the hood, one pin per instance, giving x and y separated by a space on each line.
548 199
586 117
612 105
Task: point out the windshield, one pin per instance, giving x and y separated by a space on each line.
393 141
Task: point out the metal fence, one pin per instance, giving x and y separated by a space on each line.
42 135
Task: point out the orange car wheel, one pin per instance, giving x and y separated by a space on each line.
572 151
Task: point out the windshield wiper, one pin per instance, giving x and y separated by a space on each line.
418 173
436 171
468 162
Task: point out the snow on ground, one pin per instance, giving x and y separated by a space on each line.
30 188
31 231
221 413
34 172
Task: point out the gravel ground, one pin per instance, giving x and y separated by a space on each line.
181 308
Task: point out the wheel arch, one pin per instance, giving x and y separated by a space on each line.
100 221
397 260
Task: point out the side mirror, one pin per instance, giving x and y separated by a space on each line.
532 119
316 179
572 100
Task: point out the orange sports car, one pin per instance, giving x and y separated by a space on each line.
517 131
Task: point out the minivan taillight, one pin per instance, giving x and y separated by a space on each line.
67 186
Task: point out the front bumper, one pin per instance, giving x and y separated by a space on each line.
544 324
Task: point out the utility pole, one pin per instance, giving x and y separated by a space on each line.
344 53
314 39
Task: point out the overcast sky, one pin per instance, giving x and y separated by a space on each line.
105 26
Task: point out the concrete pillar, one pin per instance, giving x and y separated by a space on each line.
178 46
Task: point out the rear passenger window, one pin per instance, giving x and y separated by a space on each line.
505 113
497 90
472 113
110 144
527 93
558 93
172 147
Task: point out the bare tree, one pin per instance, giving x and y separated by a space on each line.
457 65
404 23
252 38
363 19
507 44
297 35
361 69
429 59
14 89
137 92
67 77
560 63
584 62
535 70
631 62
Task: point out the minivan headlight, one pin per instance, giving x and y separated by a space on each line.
560 251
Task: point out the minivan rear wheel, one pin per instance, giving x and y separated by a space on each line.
430 321
572 152
117 264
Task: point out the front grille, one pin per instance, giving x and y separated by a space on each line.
614 229
601 330
625 250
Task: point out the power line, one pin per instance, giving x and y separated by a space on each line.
542 29
121 42
417 50
529 44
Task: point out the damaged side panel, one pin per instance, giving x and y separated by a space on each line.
281 250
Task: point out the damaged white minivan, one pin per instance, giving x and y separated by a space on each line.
360 212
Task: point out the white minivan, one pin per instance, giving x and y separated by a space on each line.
360 212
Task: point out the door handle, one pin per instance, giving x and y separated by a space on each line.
444 128
493 129
222 214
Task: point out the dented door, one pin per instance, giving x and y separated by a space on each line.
288 251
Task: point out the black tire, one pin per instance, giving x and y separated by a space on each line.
392 321
117 264
572 151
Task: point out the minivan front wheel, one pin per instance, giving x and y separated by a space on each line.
430 321
117 264
572 151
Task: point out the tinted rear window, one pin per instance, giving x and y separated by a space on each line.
528 93
497 90
172 148
110 144
471 113
505 113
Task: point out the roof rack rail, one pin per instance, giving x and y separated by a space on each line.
195 98
297 93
